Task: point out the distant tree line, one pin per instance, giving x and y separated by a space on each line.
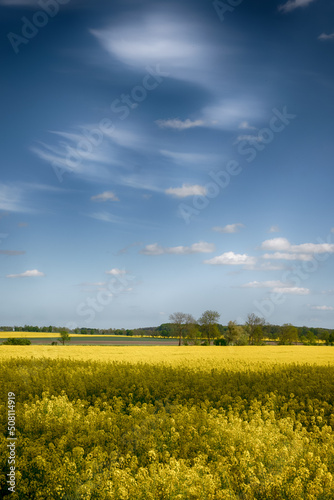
207 330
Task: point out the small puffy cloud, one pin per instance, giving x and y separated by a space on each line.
105 196
282 244
313 248
201 247
187 190
276 244
294 4
323 308
229 228
246 126
178 124
323 36
232 259
27 274
274 229
116 272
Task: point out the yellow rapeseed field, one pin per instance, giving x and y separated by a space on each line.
165 422
193 356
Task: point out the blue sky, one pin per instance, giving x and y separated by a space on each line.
166 156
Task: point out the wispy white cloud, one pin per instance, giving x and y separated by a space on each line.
229 228
12 198
187 190
178 124
324 36
277 287
201 247
294 4
163 37
105 196
232 259
106 217
227 114
27 274
67 157
323 308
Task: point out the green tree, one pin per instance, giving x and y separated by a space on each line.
208 321
181 324
288 334
235 334
254 327
64 336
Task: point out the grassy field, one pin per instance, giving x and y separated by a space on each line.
204 356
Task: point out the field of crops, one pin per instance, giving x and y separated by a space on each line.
170 423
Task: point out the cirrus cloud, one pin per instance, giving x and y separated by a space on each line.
294 4
105 196
27 274
178 124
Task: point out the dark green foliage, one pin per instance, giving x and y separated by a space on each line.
14 341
